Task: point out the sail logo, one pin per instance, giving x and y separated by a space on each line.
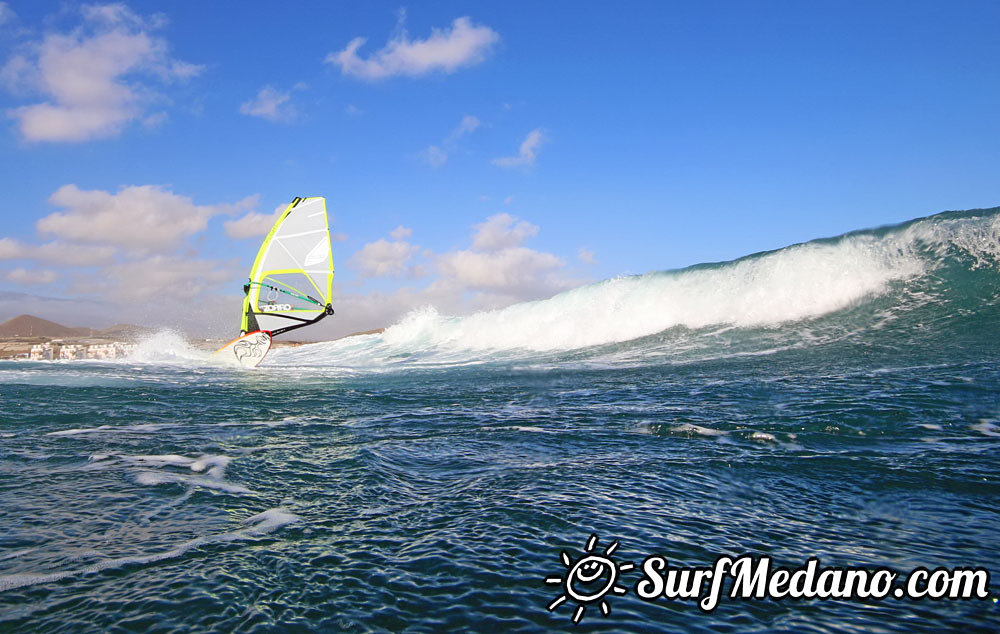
318 253
273 308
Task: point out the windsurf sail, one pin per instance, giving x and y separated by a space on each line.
291 282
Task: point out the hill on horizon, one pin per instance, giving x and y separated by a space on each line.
31 326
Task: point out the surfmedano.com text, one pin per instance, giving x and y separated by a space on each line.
757 579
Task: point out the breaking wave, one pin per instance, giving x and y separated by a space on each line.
883 273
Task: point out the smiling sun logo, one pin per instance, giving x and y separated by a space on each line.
589 579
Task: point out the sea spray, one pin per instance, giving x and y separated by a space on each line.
166 346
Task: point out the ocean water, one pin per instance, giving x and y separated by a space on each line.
838 399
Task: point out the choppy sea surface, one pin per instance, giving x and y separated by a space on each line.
838 399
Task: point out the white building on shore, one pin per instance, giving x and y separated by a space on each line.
115 350
41 352
72 351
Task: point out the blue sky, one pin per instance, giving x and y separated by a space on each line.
472 154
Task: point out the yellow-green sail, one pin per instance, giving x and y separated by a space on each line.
291 281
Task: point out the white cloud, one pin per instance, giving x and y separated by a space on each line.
155 119
178 290
401 233
11 249
468 124
73 254
144 217
127 235
515 270
435 156
445 50
270 104
252 224
163 278
148 270
6 13
586 255
57 253
30 277
526 153
16 74
119 14
502 231
90 76
496 270
385 258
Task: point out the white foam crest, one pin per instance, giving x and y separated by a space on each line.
258 526
977 238
270 521
288 420
107 429
800 282
691 428
167 346
160 461
214 467
215 464
82 430
155 478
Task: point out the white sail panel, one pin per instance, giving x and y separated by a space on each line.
292 278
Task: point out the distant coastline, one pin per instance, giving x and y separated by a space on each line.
20 334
